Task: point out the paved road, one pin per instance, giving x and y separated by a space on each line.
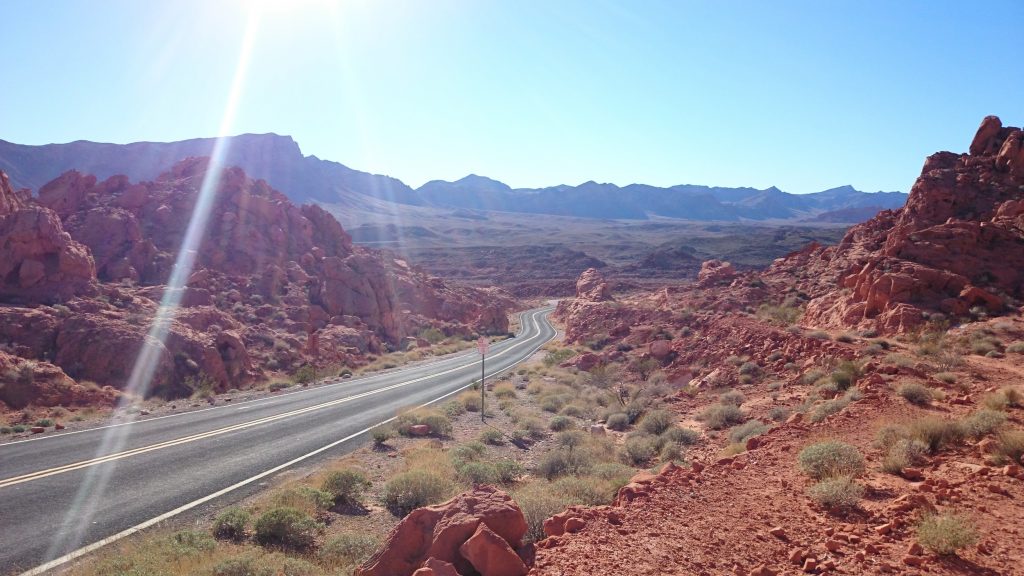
62 493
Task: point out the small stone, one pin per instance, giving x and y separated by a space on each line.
778 532
597 430
58 426
810 565
913 560
764 570
883 529
912 474
574 524
833 545
146 412
915 549
419 430
753 443
37 429
797 555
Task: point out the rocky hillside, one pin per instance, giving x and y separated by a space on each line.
275 286
830 449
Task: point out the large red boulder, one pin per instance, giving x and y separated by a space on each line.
592 286
440 532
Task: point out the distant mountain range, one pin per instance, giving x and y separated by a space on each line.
279 161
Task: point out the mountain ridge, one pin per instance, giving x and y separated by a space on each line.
278 159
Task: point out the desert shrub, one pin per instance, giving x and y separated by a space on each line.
983 422
995 401
539 501
636 408
846 338
453 409
304 375
477 472
734 360
837 493
819 335
305 499
750 369
470 401
902 454
249 564
946 533
1014 397
831 459
575 410
845 374
508 470
1010 447
639 449
811 376
492 436
830 407
191 543
438 423
381 434
346 486
348 549
936 433
946 377
681 436
505 390
782 314
1016 348
552 403
18 428
278 386
231 524
414 488
44 422
560 423
657 421
740 434
721 416
562 462
732 397
467 452
533 428
779 413
286 528
915 393
983 347
618 421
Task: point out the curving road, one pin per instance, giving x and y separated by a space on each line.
66 494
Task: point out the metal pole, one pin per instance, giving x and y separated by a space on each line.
482 410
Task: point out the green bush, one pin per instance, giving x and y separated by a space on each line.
348 549
381 434
45 423
191 543
618 421
468 452
413 489
508 470
533 428
540 501
750 369
732 398
248 564
740 434
639 449
682 436
721 416
492 437
837 493
470 401
657 421
946 533
560 423
915 393
438 423
231 524
478 472
278 386
902 454
1016 348
983 422
562 462
346 486
830 407
831 459
286 528
304 375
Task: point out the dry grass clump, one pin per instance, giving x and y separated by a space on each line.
657 421
439 423
287 528
1010 446
840 493
831 459
346 551
946 533
740 434
915 393
904 453
470 400
346 486
983 422
721 416
504 391
834 406
732 398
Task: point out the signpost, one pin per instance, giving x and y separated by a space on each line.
481 345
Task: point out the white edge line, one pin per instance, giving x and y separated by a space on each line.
167 515
250 401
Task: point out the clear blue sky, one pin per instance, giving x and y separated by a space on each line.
804 95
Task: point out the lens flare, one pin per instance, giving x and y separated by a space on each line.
79 516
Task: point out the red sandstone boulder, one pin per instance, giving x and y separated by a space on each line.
715 272
491 555
592 286
440 532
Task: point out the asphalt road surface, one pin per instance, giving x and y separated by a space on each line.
64 494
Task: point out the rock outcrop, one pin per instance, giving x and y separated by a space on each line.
274 285
477 532
592 286
957 245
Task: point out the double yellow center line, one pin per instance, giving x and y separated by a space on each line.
202 435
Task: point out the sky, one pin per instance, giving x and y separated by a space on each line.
800 94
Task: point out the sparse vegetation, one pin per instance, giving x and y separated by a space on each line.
838 493
346 486
740 434
946 533
657 421
286 528
831 459
231 524
1010 446
617 421
721 416
414 488
915 393
904 453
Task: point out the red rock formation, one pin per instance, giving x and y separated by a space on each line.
592 286
957 244
475 532
269 277
39 262
715 272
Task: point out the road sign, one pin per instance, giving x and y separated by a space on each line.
482 345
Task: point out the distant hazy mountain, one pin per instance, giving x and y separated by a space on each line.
276 159
639 201
279 161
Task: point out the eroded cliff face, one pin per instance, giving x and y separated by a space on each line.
274 285
956 245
